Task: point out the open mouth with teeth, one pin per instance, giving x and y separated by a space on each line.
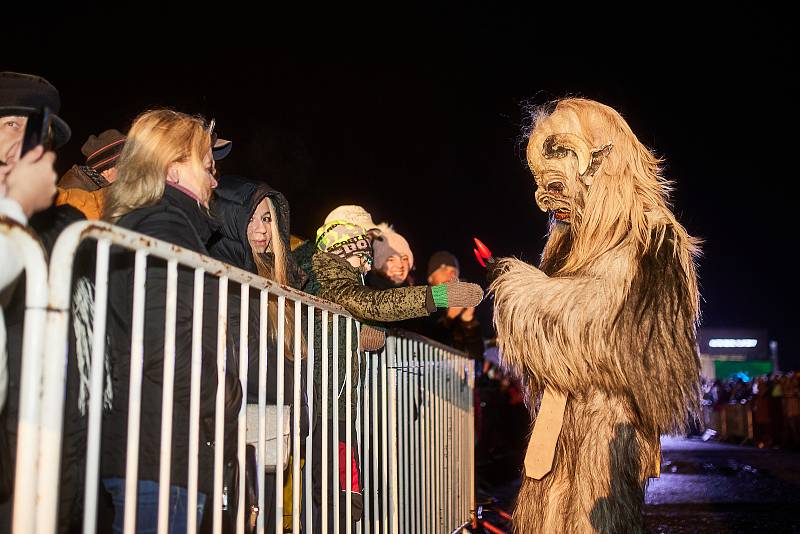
561 214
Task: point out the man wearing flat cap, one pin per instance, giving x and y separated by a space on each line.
22 95
82 186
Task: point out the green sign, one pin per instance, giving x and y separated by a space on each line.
751 368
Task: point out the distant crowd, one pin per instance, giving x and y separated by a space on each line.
774 401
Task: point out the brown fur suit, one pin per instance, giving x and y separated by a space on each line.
608 318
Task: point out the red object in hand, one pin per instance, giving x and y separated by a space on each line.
482 252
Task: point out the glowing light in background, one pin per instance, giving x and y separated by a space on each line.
731 343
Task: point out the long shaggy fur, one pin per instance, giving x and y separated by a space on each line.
609 318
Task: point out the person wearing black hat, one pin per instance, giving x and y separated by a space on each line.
27 186
22 95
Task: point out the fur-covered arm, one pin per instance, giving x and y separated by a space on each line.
556 327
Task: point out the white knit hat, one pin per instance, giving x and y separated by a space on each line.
352 214
389 244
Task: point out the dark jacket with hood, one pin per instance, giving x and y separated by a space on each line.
179 219
235 201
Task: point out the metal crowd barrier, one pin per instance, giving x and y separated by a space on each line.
431 454
32 258
731 421
412 429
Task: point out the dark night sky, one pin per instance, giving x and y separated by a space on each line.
417 116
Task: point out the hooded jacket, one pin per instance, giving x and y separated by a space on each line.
235 201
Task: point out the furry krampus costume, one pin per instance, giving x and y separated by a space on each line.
607 321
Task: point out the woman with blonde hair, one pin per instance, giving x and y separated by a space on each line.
165 178
254 230
253 235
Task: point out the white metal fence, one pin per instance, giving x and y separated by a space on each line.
29 433
407 409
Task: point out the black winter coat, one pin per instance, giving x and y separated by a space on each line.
179 219
233 205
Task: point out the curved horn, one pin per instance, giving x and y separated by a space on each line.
598 156
559 145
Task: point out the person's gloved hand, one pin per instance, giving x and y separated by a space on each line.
371 339
461 294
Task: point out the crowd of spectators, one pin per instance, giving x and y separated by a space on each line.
773 402
160 177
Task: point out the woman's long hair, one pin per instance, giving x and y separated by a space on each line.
157 139
277 272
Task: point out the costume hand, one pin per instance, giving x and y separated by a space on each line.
486 259
492 271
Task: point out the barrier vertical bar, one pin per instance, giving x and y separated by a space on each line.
296 409
261 448
471 433
324 422
94 427
348 411
369 512
408 425
377 518
244 360
359 420
135 391
394 522
419 451
194 398
307 482
279 415
219 412
37 429
436 457
384 451
167 390
337 394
